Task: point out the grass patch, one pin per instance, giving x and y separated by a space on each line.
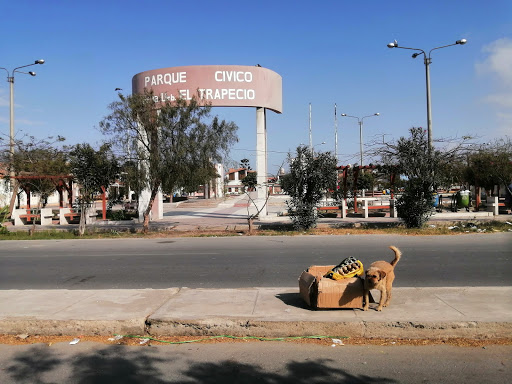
38 235
459 228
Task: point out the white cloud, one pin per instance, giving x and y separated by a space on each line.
499 61
4 99
29 122
21 121
498 66
500 100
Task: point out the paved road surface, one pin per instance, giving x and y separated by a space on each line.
237 262
254 362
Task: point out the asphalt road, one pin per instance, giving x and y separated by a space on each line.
262 362
237 262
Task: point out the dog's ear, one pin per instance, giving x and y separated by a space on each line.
382 274
366 272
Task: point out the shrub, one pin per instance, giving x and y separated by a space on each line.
311 175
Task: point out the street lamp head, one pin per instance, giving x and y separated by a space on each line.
461 41
376 114
343 114
40 61
32 73
415 55
394 44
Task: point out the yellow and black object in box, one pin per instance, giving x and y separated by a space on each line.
349 267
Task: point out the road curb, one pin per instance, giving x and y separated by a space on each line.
241 327
33 326
362 329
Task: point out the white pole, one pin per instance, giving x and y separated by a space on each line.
361 139
310 134
261 160
335 135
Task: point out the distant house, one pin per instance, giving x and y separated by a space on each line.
235 186
234 179
274 185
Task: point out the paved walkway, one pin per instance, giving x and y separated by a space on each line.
233 212
474 312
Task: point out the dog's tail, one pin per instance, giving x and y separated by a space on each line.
397 255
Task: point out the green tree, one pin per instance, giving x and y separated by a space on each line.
37 161
174 142
250 180
417 165
130 176
411 159
94 171
310 176
490 165
366 180
420 172
37 165
245 163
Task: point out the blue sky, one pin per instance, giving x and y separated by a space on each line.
327 52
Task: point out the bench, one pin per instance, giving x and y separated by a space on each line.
328 209
391 206
494 205
333 208
342 209
68 216
72 216
31 215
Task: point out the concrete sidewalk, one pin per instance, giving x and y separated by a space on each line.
471 312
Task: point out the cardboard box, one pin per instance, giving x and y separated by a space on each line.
320 292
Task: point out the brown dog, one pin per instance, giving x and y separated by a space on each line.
380 276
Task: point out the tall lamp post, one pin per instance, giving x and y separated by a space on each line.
316 145
360 122
10 80
427 60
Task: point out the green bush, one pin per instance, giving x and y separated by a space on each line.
415 206
303 215
116 215
4 214
311 175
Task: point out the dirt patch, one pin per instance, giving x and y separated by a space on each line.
327 341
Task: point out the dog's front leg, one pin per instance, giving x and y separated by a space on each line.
366 299
383 299
388 299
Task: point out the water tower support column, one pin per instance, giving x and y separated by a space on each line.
261 160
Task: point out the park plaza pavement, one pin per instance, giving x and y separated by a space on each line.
232 214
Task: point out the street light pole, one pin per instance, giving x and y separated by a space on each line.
427 60
316 145
335 134
360 122
10 80
361 140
